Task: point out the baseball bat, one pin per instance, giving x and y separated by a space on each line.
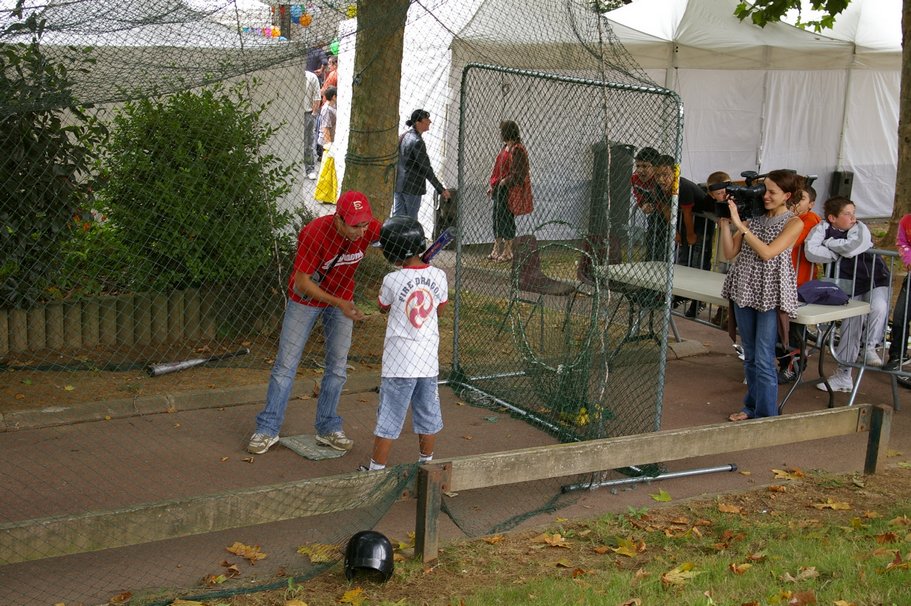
439 244
156 370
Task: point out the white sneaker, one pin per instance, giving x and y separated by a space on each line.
871 358
260 443
839 382
311 175
337 440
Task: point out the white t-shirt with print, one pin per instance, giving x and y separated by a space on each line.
413 295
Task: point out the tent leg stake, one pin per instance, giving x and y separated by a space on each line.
637 480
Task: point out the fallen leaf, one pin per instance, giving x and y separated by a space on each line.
680 575
494 539
831 504
20 396
121 598
725 508
777 488
633 602
601 549
886 537
248 459
843 603
214 579
802 598
26 381
903 464
223 459
739 568
563 563
68 388
552 540
789 474
661 496
746 473
893 453
353 596
319 552
250 553
900 521
628 547
467 438
179 602
803 573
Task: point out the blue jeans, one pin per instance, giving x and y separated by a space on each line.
406 204
299 321
758 334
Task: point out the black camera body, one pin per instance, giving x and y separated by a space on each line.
747 198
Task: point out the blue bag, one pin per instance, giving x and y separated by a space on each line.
822 293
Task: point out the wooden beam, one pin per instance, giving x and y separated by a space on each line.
34 539
430 497
543 462
880 426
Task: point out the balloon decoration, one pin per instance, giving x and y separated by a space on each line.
305 20
351 12
296 12
333 47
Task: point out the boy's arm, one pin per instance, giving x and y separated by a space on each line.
814 246
859 240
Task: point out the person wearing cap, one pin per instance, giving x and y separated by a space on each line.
413 168
321 286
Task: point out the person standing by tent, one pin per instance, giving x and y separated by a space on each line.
510 187
762 281
413 168
321 287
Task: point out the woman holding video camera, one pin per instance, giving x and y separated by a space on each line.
761 283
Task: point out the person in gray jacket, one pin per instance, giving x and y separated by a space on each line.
413 168
844 240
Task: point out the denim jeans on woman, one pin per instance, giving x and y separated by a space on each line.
758 335
406 204
296 327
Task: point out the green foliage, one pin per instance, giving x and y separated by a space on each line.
48 145
190 190
762 12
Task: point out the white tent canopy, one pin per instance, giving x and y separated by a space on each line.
774 97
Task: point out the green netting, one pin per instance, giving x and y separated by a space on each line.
156 170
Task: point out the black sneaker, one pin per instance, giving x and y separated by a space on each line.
904 382
786 375
892 364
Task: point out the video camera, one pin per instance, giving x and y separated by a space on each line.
747 198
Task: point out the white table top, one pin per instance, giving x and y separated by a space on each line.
703 285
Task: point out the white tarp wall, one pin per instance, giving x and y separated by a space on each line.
778 97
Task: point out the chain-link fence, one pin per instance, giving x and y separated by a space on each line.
160 160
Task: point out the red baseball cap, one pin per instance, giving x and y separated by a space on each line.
354 208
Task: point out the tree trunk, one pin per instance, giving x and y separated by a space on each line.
902 204
373 142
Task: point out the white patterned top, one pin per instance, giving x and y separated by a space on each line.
763 285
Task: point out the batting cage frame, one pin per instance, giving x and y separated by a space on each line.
586 295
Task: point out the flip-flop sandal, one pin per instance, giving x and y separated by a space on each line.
738 416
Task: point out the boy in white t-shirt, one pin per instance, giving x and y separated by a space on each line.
412 296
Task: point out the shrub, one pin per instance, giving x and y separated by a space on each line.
189 190
48 145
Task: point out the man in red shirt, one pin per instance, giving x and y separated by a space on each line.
329 249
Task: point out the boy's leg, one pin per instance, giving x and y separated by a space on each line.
395 394
381 448
426 415
425 444
900 318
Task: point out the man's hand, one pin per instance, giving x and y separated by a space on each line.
691 238
351 311
446 195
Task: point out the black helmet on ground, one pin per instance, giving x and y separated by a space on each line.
369 552
401 237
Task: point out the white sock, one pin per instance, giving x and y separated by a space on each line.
424 458
375 466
